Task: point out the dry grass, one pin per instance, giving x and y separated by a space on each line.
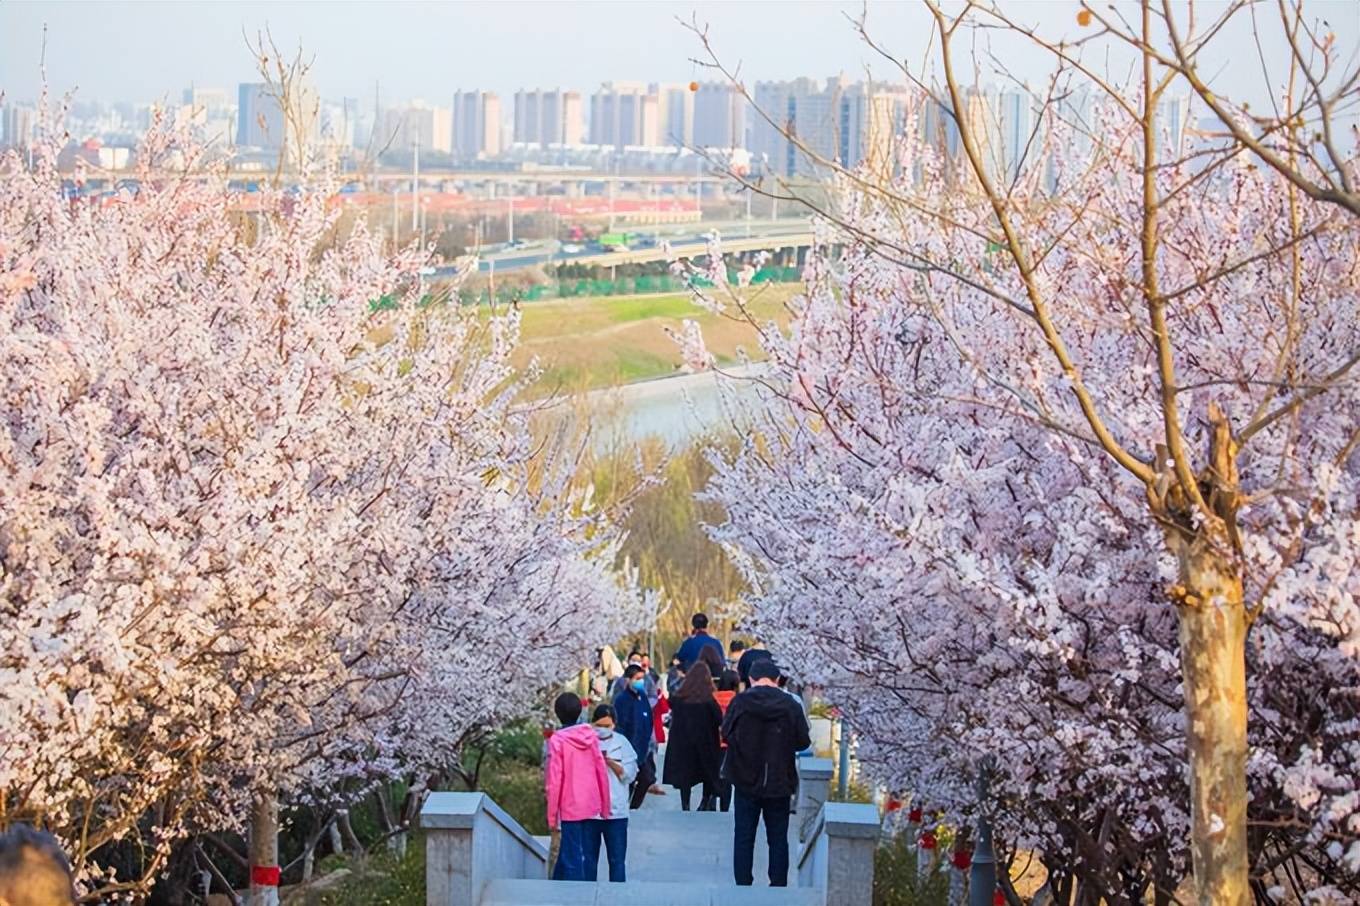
589 343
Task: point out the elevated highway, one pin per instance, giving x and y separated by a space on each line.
772 237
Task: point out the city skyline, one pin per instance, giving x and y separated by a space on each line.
120 51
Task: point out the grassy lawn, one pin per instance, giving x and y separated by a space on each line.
593 342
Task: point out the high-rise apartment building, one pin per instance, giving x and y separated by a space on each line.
872 117
528 127
548 117
209 99
493 136
476 125
789 116
803 126
260 120
720 116
624 114
1172 122
573 118
674 114
340 123
17 125
1015 127
419 124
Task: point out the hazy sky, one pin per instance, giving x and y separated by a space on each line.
115 50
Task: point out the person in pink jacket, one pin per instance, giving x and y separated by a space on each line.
577 785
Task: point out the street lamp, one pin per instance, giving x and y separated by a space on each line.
982 873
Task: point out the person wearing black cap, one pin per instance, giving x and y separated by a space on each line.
765 729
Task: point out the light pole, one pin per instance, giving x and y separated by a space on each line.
699 185
415 186
982 873
843 782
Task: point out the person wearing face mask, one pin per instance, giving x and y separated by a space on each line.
633 719
611 828
620 684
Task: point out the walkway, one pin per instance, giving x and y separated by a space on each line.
675 858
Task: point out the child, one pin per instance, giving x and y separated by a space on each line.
612 826
577 785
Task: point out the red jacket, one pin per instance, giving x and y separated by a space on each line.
659 710
724 699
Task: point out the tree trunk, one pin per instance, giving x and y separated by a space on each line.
1213 631
347 831
337 844
264 850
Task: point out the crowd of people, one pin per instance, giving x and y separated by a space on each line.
730 726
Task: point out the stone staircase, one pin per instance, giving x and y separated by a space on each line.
476 855
518 892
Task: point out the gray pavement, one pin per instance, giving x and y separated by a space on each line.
675 858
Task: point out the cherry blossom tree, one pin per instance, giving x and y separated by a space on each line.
1056 460
257 532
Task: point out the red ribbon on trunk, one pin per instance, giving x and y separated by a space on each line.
264 876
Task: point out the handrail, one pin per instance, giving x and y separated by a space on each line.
458 811
852 820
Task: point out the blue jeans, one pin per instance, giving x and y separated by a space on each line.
571 853
613 832
747 811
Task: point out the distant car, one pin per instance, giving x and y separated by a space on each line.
572 248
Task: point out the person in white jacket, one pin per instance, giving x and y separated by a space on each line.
612 829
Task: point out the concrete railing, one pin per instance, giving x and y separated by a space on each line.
814 788
839 854
470 840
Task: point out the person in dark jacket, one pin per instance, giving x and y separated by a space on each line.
633 720
748 657
764 729
693 755
697 641
712 656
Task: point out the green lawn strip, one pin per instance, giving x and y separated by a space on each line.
590 314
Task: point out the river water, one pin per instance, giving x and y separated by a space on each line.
674 410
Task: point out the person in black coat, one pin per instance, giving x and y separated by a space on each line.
693 754
765 728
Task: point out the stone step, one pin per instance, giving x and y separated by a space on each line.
678 846
506 892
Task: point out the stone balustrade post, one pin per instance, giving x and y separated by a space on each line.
838 857
814 788
470 841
